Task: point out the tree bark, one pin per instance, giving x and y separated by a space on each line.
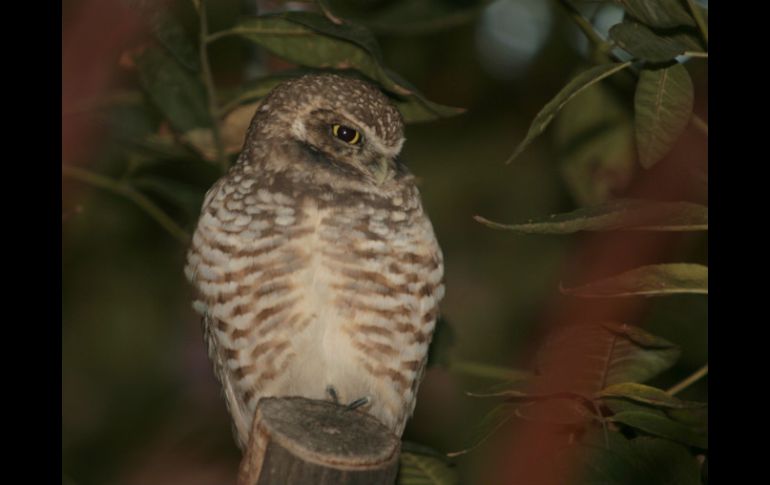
301 441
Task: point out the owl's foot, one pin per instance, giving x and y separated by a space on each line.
332 392
361 401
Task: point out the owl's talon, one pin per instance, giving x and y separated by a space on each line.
361 401
332 392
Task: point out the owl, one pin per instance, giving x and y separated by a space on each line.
316 270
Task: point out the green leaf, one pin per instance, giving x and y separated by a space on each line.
658 13
688 37
419 469
232 131
158 147
639 461
664 427
594 138
129 115
629 215
177 92
663 106
125 190
642 43
257 89
613 354
557 408
489 424
163 19
559 411
312 40
704 11
646 395
421 17
355 35
651 280
415 108
326 46
513 395
694 415
572 89
701 16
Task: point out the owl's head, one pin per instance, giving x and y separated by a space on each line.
343 125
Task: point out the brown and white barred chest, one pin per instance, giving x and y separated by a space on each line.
301 291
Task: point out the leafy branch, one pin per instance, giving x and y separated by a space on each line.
650 280
208 81
588 29
610 393
663 103
254 30
620 214
580 83
125 190
689 380
618 358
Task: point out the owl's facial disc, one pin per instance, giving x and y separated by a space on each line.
346 144
381 170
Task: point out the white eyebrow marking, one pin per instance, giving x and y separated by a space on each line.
371 137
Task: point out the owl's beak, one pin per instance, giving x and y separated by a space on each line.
380 170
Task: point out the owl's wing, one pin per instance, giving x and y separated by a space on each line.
431 295
238 410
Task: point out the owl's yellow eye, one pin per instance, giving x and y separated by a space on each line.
346 134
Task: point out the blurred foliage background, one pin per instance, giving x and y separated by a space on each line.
140 404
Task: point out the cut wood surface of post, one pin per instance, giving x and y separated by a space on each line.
302 441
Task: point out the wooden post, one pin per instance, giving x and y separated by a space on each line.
302 441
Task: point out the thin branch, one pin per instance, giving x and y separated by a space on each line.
498 425
702 25
328 13
602 420
299 32
701 125
488 371
211 92
125 190
585 25
605 48
689 380
221 34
